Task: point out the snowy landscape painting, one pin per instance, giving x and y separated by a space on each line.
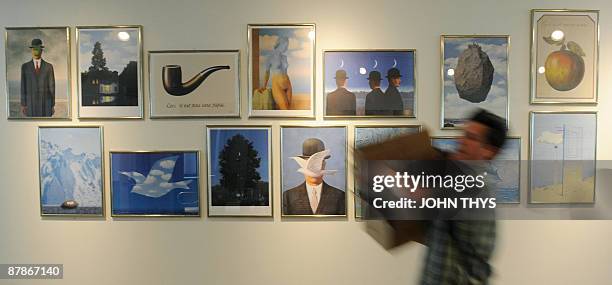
70 165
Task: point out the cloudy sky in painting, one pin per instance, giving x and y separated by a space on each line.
55 52
497 100
299 55
117 53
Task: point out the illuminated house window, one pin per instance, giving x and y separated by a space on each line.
107 89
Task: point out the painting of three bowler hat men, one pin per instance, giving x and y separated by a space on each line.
354 83
37 72
314 171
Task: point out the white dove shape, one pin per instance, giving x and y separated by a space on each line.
156 183
313 165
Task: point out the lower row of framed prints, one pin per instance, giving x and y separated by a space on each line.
313 175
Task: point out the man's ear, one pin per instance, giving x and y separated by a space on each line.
489 151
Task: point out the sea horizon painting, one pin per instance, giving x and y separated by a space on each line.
357 83
504 172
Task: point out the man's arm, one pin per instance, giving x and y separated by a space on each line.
52 83
24 102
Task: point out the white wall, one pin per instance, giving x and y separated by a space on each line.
276 251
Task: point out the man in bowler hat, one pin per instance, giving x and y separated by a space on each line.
37 84
314 196
341 102
390 103
374 98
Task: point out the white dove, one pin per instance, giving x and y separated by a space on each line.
156 183
313 166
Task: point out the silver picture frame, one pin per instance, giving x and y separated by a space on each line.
102 166
354 191
307 114
270 168
534 69
414 79
282 127
532 115
140 71
110 155
238 84
68 75
443 75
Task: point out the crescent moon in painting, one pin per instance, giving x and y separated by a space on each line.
375 64
394 63
342 63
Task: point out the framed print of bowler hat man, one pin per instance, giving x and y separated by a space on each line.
37 84
37 72
313 195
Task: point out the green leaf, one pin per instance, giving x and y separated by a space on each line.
575 48
549 40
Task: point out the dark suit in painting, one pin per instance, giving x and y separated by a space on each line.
333 201
384 104
341 102
38 89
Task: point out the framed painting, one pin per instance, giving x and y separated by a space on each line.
155 183
70 171
313 171
368 135
239 171
37 73
369 83
505 169
281 70
194 83
564 56
109 62
474 74
562 157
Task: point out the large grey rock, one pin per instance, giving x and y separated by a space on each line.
474 74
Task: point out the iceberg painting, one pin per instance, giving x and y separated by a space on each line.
70 167
155 183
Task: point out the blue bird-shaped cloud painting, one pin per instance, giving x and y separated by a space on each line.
155 183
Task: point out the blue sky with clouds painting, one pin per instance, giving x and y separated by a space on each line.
299 55
118 53
558 137
81 140
497 99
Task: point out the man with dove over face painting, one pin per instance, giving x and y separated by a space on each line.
314 196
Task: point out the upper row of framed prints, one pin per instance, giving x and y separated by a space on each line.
357 83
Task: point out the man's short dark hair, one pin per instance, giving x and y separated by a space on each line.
496 135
